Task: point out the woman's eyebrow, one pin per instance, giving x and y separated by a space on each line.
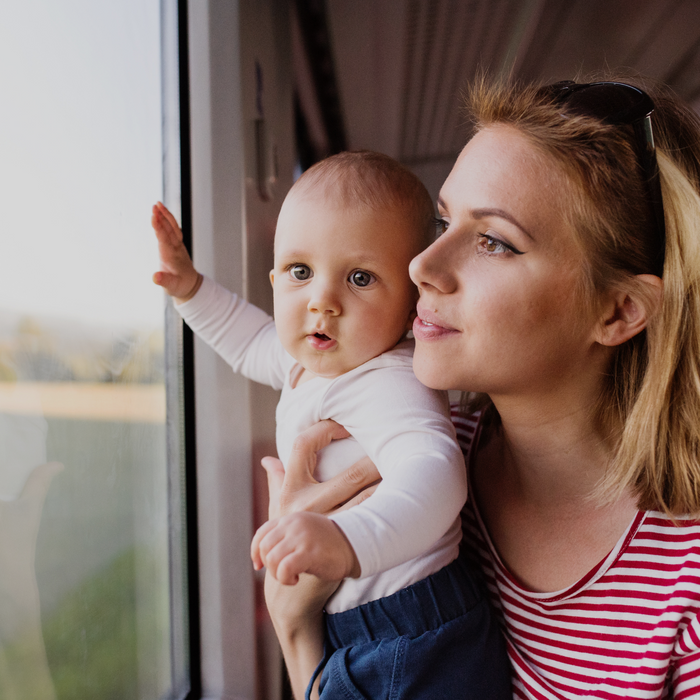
489 211
483 213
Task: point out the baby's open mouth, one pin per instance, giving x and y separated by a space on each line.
321 342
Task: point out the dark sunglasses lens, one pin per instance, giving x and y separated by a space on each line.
613 103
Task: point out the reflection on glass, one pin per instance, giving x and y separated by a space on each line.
84 579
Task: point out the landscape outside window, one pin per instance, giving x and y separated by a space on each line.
85 608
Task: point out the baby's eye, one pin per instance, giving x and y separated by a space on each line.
300 272
361 278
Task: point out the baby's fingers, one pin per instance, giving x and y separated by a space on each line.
272 549
167 214
167 230
255 551
166 280
289 567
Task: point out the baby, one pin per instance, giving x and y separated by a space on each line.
343 304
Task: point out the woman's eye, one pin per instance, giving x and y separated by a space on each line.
441 226
361 278
496 246
300 272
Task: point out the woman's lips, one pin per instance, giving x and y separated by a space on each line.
320 341
427 326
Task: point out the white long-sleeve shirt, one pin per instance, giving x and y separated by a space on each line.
409 528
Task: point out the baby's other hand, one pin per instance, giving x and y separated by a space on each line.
303 543
177 274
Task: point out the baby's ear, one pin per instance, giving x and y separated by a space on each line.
272 278
628 311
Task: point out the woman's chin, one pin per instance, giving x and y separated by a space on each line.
431 373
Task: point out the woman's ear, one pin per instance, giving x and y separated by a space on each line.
272 278
627 310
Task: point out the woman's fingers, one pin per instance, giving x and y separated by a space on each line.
300 491
329 495
275 479
349 485
359 498
302 461
296 489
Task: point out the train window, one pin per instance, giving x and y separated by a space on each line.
93 581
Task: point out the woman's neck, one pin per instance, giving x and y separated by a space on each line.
551 446
563 457
535 482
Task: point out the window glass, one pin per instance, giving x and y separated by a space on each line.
85 593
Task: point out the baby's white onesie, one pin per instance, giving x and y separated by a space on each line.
410 527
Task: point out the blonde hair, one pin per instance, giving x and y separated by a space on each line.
373 180
649 406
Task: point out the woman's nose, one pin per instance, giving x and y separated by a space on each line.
434 267
324 300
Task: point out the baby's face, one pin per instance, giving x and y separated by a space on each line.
341 286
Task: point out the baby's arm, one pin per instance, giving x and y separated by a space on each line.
177 274
243 335
303 543
405 429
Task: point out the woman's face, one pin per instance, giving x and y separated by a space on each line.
500 309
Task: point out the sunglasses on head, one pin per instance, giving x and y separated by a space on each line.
621 104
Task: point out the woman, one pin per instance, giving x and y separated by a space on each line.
564 292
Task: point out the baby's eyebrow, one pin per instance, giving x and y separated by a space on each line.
294 253
363 261
301 256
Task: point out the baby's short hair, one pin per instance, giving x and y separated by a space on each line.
373 180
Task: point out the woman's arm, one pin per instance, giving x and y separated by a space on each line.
297 611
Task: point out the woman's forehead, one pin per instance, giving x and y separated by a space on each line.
502 151
500 163
501 170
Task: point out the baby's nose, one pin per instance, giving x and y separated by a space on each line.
324 301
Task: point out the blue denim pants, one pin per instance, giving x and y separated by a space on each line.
437 639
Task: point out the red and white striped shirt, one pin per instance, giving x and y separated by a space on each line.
628 629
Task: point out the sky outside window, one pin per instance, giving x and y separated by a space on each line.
81 167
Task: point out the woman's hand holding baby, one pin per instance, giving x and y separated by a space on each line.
302 540
296 490
296 610
177 274
304 543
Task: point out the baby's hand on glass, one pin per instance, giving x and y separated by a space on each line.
303 543
177 274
